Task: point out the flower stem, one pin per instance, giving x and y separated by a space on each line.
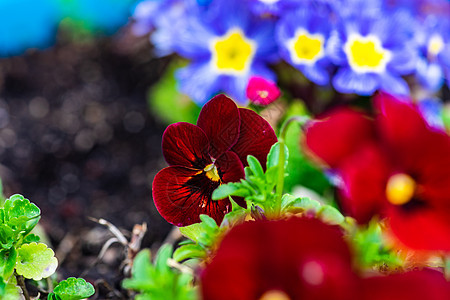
281 160
21 283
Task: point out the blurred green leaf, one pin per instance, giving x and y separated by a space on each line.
7 262
73 289
189 251
167 103
255 166
330 215
36 261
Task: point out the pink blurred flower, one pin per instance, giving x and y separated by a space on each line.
261 91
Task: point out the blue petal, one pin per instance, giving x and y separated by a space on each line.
431 109
198 82
430 75
404 59
393 84
334 48
347 81
316 74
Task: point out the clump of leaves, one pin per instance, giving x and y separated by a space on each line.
159 280
72 289
20 252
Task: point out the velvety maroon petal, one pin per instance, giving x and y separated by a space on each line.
364 176
414 285
186 145
219 119
256 257
231 170
256 137
422 228
338 134
181 195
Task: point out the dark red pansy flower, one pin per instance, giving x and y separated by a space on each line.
298 258
303 259
203 156
394 164
262 91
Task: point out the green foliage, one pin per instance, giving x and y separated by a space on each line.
36 261
158 280
72 289
301 171
202 235
371 249
258 186
163 97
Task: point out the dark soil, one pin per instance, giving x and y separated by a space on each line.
77 139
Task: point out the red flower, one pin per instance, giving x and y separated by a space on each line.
394 165
292 259
262 91
302 259
204 156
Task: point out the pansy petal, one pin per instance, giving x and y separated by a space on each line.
414 285
181 195
231 170
186 145
219 119
364 175
256 137
421 229
338 134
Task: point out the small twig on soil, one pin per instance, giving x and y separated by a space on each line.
114 230
182 268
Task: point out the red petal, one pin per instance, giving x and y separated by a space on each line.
421 229
256 137
338 134
186 145
231 170
262 91
415 285
219 119
263 255
364 177
181 195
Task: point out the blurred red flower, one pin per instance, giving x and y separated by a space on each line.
394 165
203 156
261 91
303 259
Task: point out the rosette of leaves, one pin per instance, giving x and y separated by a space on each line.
20 251
72 289
159 280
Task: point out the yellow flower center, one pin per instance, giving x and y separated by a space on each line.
211 172
275 295
232 53
400 189
365 54
306 48
435 45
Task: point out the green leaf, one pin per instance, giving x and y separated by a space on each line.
189 251
53 296
274 156
208 223
31 238
163 255
141 272
12 292
230 189
193 231
330 215
74 289
36 261
164 96
255 166
7 262
291 202
7 236
2 287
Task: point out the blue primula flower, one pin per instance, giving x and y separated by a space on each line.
433 38
27 24
163 18
373 53
226 45
272 7
302 37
